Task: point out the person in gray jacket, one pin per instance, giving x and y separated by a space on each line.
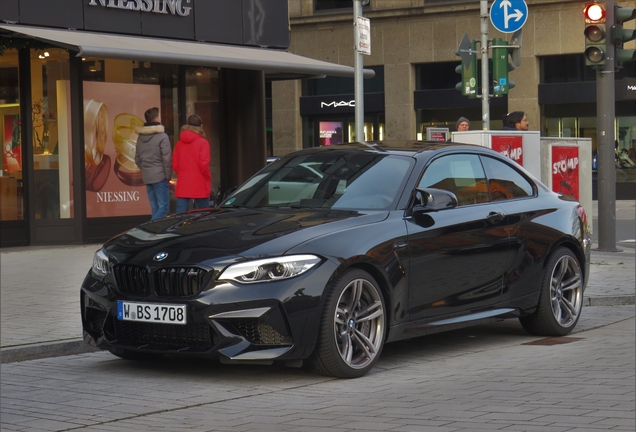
153 156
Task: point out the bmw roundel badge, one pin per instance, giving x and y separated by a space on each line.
161 256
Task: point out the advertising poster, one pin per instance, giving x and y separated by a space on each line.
330 133
565 170
11 143
509 146
113 182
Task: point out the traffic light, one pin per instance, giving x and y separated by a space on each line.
468 68
501 67
620 35
594 34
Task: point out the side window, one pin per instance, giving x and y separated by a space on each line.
505 182
461 174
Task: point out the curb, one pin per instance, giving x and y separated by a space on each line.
44 350
609 301
78 346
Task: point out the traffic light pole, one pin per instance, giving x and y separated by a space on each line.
605 112
485 84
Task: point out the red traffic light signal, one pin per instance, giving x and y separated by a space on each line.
594 13
595 34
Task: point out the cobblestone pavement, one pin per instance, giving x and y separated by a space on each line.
486 378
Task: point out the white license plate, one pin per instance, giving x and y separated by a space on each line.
151 312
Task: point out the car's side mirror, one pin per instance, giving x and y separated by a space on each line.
430 199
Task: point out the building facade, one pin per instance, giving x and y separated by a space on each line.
76 77
413 45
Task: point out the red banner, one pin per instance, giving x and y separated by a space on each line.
509 146
565 170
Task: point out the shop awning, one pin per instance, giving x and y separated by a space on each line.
276 64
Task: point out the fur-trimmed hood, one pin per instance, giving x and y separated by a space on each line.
195 129
149 130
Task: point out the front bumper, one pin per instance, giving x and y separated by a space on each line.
264 322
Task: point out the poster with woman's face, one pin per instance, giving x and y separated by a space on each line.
113 181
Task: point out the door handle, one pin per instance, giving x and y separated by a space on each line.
400 244
494 217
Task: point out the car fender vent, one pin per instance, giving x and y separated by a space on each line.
94 319
260 333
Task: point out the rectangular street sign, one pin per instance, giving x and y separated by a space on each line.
363 36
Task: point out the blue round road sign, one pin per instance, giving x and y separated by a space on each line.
508 16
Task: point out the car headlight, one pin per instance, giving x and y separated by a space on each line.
101 266
269 269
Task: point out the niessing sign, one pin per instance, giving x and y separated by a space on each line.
174 7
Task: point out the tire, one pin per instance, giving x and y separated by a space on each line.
134 355
561 297
352 327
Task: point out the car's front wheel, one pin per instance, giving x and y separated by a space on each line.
352 328
561 298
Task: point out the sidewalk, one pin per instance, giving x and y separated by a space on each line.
39 295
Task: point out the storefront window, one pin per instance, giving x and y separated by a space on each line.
561 127
202 98
626 149
11 186
368 129
51 121
332 121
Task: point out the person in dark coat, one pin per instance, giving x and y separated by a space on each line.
153 157
191 162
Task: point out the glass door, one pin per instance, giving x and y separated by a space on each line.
51 143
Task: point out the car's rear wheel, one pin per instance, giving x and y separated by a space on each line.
352 328
561 298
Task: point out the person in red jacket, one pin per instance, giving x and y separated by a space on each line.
191 162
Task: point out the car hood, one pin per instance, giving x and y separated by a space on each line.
205 236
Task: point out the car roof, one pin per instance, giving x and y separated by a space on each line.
404 147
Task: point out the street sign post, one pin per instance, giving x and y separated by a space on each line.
508 16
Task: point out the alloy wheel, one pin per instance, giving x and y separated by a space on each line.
566 291
359 323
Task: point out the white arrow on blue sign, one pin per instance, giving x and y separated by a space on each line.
508 16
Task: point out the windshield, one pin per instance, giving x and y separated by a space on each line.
332 180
